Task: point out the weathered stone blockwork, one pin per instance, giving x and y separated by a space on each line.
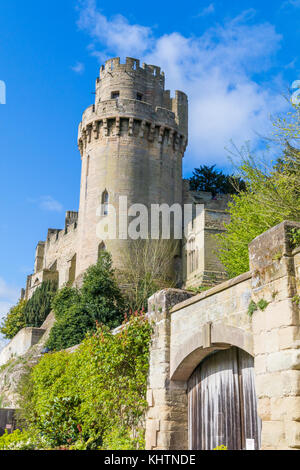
132 141
188 331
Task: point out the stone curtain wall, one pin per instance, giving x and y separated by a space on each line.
186 332
275 278
20 344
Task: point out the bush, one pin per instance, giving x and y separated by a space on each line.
272 195
39 306
19 440
70 329
94 398
100 293
63 300
78 311
14 320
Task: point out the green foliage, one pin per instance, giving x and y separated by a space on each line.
199 290
78 311
22 440
272 195
63 300
101 296
94 398
39 306
252 308
70 329
208 179
296 299
295 237
262 304
14 320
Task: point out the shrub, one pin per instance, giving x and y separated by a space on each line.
14 320
78 311
39 306
70 329
19 440
100 293
94 398
64 299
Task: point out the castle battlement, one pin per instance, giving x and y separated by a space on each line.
131 65
95 129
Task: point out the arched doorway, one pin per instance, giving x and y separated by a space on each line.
223 403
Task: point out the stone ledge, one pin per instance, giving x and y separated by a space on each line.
214 290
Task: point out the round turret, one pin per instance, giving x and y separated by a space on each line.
132 141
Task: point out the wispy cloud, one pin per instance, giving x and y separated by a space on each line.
217 70
78 68
116 33
207 10
290 3
47 203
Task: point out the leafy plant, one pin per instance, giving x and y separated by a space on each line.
39 306
78 311
14 320
252 308
104 407
21 440
272 195
295 237
262 304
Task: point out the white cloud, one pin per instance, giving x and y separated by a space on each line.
217 70
116 34
47 203
207 10
78 68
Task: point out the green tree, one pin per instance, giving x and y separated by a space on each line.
272 195
78 311
211 180
100 294
38 306
14 320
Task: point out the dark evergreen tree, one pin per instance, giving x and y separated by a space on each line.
207 178
39 306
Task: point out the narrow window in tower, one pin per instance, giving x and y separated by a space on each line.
139 96
115 95
104 203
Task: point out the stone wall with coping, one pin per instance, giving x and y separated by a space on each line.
21 343
186 332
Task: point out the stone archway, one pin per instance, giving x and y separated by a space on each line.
222 402
211 337
218 340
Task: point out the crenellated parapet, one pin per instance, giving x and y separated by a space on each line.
95 129
131 101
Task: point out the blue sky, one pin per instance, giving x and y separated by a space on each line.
235 59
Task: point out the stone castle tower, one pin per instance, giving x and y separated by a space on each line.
131 141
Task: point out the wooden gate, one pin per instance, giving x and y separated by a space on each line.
223 404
